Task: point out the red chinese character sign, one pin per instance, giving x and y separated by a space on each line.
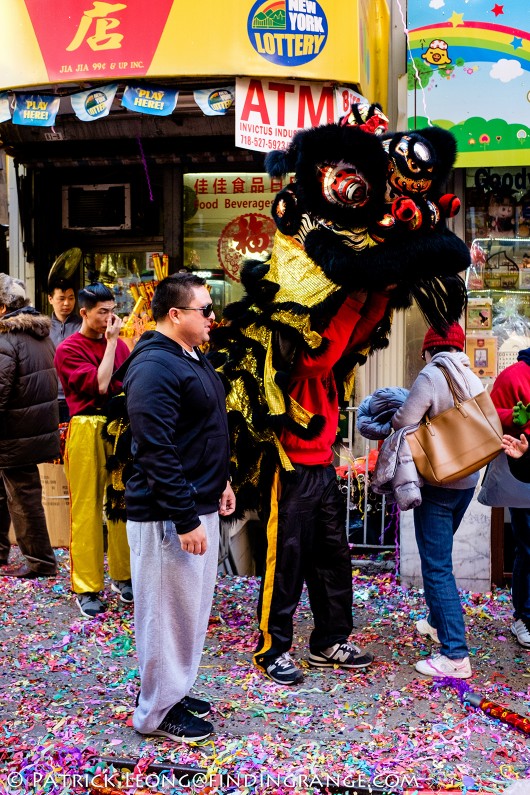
91 38
246 236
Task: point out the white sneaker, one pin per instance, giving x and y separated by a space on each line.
521 630
424 628
440 665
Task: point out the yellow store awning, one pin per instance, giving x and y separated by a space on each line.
346 41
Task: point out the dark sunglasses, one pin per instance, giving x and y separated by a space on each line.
206 310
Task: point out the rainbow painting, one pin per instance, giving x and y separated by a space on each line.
469 71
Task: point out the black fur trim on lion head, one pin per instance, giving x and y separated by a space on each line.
340 173
420 161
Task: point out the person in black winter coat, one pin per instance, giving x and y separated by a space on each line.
29 431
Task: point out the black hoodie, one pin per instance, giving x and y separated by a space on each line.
180 446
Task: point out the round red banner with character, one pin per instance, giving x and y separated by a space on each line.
246 236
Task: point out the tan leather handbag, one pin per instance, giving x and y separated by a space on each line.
457 442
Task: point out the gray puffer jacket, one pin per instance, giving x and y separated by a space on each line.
29 416
395 473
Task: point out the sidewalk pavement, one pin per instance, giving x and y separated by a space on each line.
69 684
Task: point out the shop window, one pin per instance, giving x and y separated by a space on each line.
118 270
96 207
497 203
498 233
226 221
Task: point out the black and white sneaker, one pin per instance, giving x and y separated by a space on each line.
521 630
196 706
90 604
124 589
283 671
181 726
345 654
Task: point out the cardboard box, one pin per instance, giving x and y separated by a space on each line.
56 504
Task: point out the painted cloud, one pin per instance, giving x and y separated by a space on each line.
437 3
506 70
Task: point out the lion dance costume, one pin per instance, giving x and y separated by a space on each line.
365 212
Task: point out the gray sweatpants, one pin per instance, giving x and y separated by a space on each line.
173 592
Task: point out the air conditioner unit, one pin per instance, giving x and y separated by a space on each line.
97 207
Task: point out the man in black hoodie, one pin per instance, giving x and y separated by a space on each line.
178 487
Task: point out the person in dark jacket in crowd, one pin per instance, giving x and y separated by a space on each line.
28 429
65 322
518 454
511 395
178 488
518 451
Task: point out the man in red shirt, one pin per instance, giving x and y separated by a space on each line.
306 534
85 363
511 395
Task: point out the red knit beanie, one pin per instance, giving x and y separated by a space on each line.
454 336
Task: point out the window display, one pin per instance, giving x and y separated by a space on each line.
498 280
227 220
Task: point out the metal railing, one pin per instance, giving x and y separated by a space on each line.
385 517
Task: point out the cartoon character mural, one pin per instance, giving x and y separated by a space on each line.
366 211
437 53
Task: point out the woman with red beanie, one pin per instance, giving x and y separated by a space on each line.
442 508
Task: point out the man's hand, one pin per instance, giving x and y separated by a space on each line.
227 503
194 542
515 448
113 327
521 413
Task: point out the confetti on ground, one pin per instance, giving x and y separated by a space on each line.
69 684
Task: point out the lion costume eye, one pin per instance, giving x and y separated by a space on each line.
342 184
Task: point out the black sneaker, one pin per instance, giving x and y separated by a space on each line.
124 588
194 705
345 654
90 604
283 671
181 726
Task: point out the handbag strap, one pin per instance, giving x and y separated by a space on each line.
456 401
449 380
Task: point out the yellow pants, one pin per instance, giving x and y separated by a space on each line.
84 461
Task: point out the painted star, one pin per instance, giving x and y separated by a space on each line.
497 10
456 19
517 42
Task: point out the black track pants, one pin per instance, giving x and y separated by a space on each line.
306 541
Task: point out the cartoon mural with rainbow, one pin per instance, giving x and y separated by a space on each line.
469 71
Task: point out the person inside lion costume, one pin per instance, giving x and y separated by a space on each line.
360 233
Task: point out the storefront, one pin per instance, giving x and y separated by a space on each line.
134 133
469 71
